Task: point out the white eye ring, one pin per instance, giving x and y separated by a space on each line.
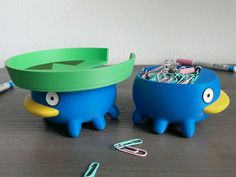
52 98
208 95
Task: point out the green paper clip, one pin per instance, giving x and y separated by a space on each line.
92 169
131 142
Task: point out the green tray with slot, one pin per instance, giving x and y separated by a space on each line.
66 70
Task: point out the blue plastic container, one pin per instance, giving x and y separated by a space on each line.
182 104
75 108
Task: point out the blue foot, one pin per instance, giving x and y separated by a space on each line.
73 128
160 125
188 128
137 117
99 123
114 112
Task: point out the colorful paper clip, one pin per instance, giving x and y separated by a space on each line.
133 151
127 147
92 169
171 72
131 142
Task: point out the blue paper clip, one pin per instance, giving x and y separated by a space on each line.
131 142
92 169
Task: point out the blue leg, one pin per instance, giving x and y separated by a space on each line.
74 127
137 117
188 128
160 125
99 123
114 112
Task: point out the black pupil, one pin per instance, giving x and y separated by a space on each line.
52 98
208 95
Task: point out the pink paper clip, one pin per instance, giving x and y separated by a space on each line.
144 73
144 76
133 151
187 70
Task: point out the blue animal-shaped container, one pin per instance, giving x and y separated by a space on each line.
70 86
74 108
181 104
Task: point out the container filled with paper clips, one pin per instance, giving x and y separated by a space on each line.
175 94
70 86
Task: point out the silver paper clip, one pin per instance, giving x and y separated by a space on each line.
127 147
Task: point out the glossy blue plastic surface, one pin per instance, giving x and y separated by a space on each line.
167 103
76 108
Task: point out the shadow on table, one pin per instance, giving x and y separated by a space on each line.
147 126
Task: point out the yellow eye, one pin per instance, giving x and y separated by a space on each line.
208 95
52 98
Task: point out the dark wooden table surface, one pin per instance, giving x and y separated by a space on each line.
31 147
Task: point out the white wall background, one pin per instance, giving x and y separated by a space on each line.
153 29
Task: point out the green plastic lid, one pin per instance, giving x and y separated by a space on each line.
65 70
